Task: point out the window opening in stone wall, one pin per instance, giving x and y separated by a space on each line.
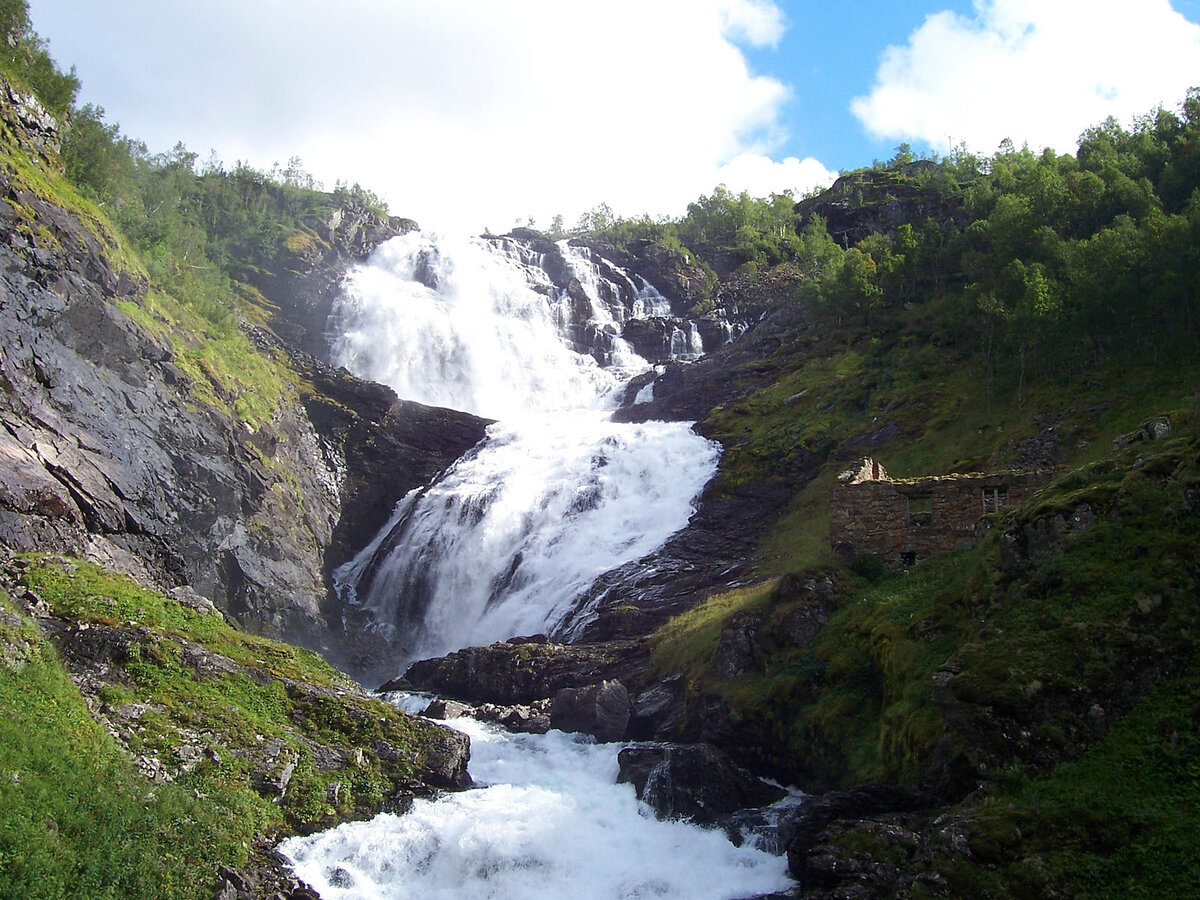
994 499
920 509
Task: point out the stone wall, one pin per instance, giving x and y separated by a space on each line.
910 519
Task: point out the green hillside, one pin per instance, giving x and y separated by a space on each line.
958 315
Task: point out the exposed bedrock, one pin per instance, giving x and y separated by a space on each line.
110 451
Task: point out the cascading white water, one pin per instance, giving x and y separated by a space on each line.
504 543
472 325
518 529
553 823
644 300
510 536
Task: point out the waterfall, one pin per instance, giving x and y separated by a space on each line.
506 542
508 539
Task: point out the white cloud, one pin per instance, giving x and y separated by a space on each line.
758 22
1035 71
463 113
760 175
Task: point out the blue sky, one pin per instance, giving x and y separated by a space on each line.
828 55
472 114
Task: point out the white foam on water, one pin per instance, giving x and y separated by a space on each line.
552 822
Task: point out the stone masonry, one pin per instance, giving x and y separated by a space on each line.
903 520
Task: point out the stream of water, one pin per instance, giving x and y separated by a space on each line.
551 822
505 543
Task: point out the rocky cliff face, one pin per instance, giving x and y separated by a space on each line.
109 451
870 202
304 278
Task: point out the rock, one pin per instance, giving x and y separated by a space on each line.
305 277
446 758
526 719
399 683
273 769
601 710
1029 540
735 650
108 451
817 814
878 202
510 674
1154 430
814 593
532 718
657 711
444 709
691 781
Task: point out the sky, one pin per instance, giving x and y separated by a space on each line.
469 115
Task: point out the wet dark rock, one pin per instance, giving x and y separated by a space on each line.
679 278
107 453
513 674
691 781
601 710
526 718
653 338
709 555
266 876
304 279
657 711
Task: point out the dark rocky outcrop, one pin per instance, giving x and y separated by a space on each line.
651 338
522 672
305 277
879 201
601 710
680 277
819 813
692 781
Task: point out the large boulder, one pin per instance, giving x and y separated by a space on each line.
601 710
816 815
691 781
521 671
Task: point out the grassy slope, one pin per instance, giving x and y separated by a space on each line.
855 705
78 818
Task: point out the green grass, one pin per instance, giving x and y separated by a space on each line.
78 820
227 372
76 816
83 592
1123 821
55 188
686 643
855 704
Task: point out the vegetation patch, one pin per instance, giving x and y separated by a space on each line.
159 741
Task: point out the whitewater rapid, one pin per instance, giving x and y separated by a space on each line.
551 822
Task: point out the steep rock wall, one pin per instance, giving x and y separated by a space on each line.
108 451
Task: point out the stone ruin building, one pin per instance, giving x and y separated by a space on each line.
903 520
